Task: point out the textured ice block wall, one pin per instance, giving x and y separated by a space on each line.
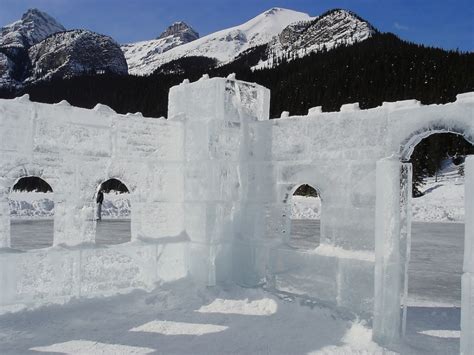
219 99
336 152
58 275
75 150
467 297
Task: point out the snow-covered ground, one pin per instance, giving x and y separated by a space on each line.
179 318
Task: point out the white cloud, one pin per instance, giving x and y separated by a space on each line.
399 26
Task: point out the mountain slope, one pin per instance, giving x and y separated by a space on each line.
73 53
332 29
223 45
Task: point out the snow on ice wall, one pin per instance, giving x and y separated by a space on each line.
211 189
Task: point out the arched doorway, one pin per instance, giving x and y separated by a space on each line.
392 254
433 295
31 202
305 232
113 219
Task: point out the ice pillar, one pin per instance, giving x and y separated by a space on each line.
387 252
137 209
467 297
405 233
214 112
4 218
74 221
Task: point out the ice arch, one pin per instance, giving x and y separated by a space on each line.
393 227
409 144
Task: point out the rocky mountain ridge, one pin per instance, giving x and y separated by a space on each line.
38 47
73 53
33 27
329 30
181 30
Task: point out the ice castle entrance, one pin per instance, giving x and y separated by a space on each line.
392 252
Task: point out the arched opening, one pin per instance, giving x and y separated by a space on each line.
305 230
31 201
437 242
113 212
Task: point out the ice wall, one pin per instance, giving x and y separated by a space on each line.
467 296
211 188
75 150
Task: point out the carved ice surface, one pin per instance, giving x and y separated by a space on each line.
210 196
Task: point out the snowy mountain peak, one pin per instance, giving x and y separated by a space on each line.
273 11
145 57
33 27
182 31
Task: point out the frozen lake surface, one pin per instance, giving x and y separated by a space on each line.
28 234
434 273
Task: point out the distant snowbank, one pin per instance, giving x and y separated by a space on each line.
41 205
31 204
305 207
443 200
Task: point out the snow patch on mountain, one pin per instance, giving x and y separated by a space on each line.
144 58
332 29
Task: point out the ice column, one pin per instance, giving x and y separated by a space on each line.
467 297
405 233
214 111
4 216
387 252
74 218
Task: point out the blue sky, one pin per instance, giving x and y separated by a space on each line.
441 23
